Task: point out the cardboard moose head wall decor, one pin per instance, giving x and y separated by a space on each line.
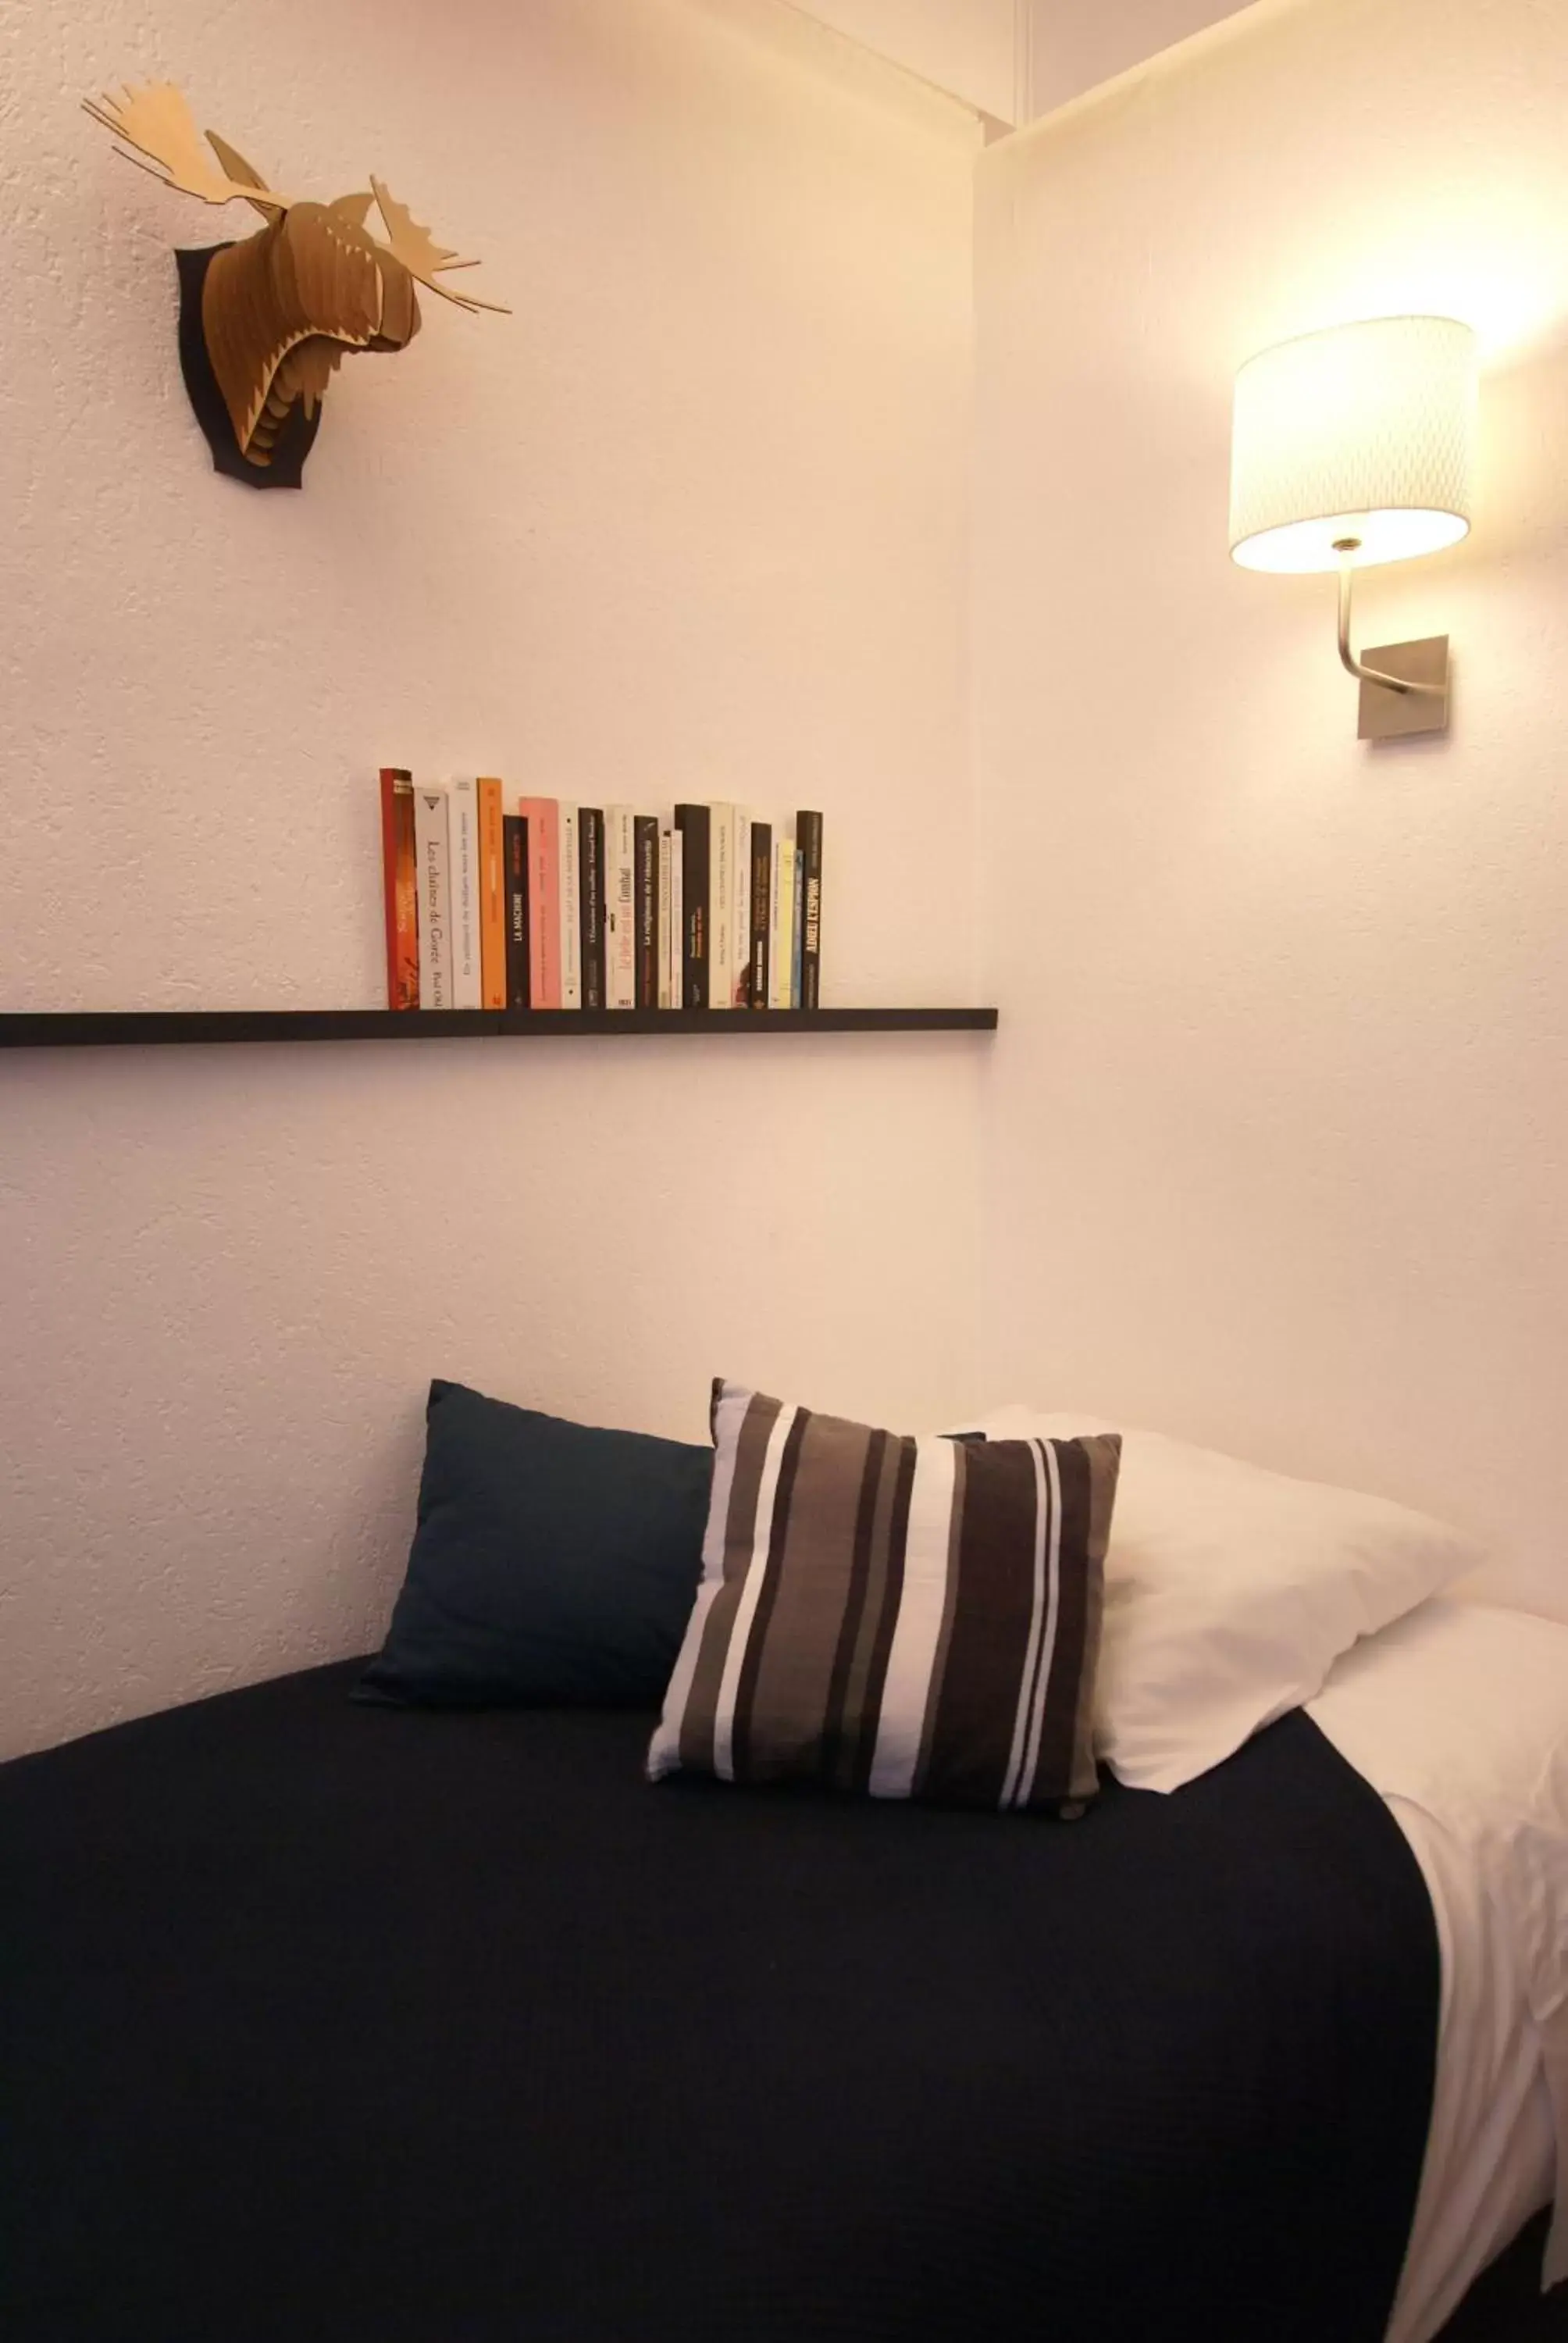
264 323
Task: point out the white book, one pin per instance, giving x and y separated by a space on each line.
620 907
721 906
463 867
666 923
741 959
677 924
782 935
571 911
430 819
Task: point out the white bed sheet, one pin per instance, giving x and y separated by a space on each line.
1458 1715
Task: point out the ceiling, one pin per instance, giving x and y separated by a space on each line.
1015 59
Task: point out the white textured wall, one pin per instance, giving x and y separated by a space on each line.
691 522
1281 1102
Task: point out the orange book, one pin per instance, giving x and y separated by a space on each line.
401 876
492 897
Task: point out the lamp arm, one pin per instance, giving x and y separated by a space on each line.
1348 658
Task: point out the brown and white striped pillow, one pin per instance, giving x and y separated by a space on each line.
914 1618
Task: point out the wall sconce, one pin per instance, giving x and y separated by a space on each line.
1354 447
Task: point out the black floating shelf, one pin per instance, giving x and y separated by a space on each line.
98 1029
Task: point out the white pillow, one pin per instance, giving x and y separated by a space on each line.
1230 1591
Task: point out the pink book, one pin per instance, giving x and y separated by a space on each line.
543 815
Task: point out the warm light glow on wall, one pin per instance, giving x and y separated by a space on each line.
1363 434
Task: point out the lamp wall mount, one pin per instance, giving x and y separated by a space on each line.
1405 686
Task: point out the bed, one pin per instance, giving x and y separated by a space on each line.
1458 1715
322 2020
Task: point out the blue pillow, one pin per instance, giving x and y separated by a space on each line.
552 1565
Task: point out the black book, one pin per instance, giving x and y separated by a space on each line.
645 848
694 827
760 966
515 904
808 909
590 901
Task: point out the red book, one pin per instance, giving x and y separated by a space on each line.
401 876
543 815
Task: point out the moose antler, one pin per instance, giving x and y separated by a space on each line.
419 253
244 176
156 122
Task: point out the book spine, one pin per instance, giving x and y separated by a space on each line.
620 907
776 962
543 818
798 931
590 902
571 911
741 934
676 922
515 837
722 907
696 827
430 815
782 954
463 863
808 840
666 919
400 873
759 920
492 897
550 890
645 848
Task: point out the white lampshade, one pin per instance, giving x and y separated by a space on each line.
1365 431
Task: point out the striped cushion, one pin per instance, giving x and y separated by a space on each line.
914 1618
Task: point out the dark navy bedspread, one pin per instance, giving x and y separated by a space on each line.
322 2021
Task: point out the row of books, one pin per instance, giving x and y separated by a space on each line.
532 903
